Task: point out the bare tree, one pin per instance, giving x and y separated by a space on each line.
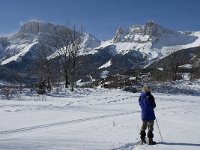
174 66
194 72
174 62
10 92
44 69
67 43
75 46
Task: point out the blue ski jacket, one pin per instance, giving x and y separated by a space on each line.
147 104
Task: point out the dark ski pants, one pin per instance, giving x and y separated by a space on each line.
148 124
145 125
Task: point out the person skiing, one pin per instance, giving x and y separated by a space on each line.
147 104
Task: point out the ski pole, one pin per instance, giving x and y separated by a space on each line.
159 130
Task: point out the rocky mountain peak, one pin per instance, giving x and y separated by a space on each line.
137 33
35 27
120 33
89 41
151 28
154 30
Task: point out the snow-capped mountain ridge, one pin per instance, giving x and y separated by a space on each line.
144 33
14 47
152 40
136 47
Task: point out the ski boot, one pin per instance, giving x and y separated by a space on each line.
151 142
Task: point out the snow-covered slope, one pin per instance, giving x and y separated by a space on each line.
16 49
106 65
96 119
89 42
88 45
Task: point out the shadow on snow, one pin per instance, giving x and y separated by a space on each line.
130 146
179 144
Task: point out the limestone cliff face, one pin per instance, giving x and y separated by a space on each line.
35 27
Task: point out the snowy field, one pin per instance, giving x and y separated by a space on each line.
96 119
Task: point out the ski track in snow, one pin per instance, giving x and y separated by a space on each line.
25 129
63 123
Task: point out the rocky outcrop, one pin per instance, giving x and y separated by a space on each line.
35 27
119 36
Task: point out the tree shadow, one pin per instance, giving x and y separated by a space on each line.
179 144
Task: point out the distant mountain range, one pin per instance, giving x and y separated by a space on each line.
137 46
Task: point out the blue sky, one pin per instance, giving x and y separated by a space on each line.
101 17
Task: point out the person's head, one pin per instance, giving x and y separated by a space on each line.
146 89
